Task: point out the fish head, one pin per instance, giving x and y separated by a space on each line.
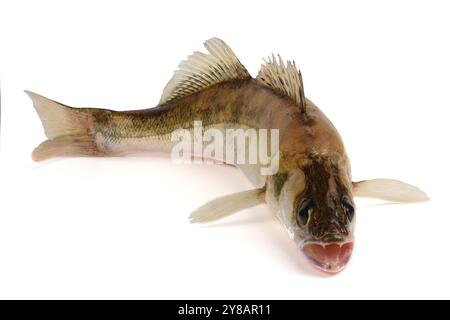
317 208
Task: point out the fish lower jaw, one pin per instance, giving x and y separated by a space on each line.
327 267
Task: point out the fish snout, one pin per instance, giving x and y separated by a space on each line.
329 257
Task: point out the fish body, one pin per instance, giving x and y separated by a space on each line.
311 192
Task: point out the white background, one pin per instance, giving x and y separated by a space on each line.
118 228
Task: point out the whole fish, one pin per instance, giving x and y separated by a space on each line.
311 192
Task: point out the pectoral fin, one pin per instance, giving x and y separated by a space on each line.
227 205
253 174
389 190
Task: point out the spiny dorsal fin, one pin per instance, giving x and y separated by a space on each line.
202 70
286 79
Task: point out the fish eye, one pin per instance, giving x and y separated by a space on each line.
348 208
304 212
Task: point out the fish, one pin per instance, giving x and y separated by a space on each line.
311 192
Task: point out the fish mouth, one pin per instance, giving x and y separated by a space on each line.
330 257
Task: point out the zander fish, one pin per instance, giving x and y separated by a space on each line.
311 193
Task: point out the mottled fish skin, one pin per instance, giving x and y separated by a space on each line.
243 103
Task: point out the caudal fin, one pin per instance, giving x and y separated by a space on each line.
69 130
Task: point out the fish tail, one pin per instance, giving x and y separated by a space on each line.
69 130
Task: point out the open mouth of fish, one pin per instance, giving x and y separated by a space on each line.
329 257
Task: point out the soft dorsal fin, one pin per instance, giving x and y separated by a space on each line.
285 79
202 70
